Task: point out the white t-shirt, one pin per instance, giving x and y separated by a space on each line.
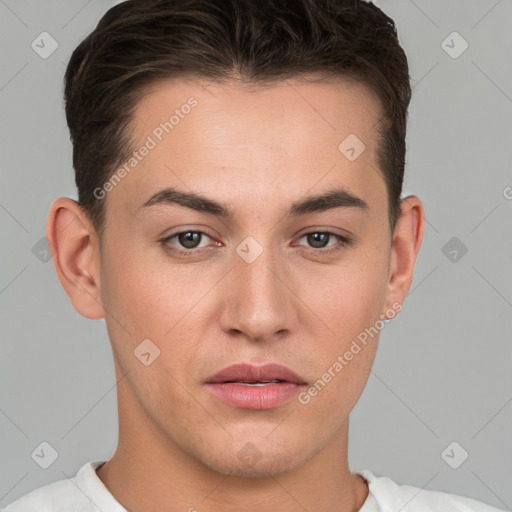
85 492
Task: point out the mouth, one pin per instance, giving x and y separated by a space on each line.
256 383
248 386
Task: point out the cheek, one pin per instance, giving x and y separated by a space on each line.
348 296
145 304
149 300
348 300
136 288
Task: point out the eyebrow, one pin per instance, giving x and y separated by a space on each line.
335 198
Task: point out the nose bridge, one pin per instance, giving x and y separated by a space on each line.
260 305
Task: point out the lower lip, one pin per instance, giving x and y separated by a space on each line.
268 396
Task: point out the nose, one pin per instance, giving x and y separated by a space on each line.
260 304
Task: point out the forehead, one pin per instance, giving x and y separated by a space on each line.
324 107
275 139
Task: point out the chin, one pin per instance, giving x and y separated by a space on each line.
251 462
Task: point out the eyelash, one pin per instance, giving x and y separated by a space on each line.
343 242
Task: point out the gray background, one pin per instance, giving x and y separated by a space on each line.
442 371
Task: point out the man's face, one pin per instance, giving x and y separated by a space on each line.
258 287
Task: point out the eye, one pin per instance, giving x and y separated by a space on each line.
319 239
188 243
188 240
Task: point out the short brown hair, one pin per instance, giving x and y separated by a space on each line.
137 43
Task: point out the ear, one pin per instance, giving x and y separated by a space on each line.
76 255
407 239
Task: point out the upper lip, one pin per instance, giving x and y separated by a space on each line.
244 372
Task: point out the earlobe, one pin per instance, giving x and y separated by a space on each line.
407 239
75 249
